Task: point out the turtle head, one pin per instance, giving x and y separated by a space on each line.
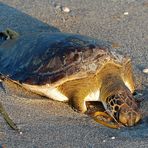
124 108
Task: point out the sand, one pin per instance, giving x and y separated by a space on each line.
46 123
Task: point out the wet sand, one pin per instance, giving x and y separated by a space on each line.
46 123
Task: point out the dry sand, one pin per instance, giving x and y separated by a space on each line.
46 123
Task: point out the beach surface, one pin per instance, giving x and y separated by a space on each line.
45 123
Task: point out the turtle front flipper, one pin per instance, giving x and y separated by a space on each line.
105 119
100 117
96 110
7 118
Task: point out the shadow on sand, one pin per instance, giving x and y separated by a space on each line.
21 22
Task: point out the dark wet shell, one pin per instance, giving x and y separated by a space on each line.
43 58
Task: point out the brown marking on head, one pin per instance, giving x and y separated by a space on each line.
124 108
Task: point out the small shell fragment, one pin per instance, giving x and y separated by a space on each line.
145 70
125 13
112 138
65 9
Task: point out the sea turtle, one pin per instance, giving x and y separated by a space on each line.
72 68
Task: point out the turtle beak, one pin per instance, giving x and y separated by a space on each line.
129 117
